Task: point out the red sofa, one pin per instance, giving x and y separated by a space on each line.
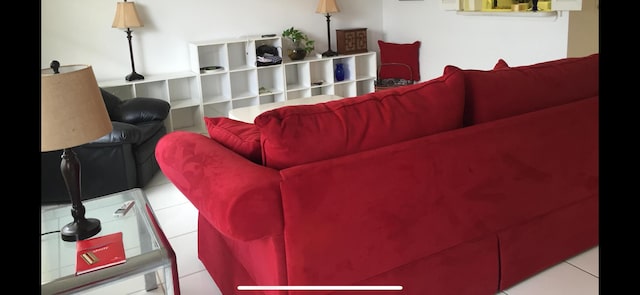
465 184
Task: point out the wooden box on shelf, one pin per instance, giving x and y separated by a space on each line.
351 40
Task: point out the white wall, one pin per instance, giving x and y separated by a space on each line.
473 42
584 30
79 32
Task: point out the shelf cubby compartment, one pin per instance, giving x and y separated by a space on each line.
269 98
121 91
155 89
188 119
348 65
243 84
345 89
270 80
241 55
271 41
215 87
208 55
321 71
365 65
244 102
364 86
297 75
183 92
293 94
219 109
322 90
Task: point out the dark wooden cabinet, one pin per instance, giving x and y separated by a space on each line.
351 40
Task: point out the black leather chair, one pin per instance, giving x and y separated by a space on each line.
120 160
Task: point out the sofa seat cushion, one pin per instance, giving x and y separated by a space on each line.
240 137
509 91
300 134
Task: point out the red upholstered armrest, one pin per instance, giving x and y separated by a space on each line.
240 198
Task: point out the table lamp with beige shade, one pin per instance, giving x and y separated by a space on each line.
127 18
328 7
72 113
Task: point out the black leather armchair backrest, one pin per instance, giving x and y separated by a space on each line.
135 110
112 103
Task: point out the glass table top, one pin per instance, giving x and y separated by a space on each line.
146 248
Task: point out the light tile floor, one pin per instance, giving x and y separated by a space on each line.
178 218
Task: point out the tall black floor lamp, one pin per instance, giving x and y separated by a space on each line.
127 18
327 7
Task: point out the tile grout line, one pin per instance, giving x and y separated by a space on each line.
583 270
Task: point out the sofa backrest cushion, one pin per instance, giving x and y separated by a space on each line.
240 137
501 64
509 91
294 135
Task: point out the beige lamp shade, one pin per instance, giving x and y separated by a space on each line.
327 6
72 109
126 16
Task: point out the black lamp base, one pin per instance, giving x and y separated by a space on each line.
81 229
134 76
329 53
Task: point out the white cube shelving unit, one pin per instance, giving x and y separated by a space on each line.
180 90
224 76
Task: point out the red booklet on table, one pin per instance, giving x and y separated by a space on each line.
99 252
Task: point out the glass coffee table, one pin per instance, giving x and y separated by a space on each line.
147 249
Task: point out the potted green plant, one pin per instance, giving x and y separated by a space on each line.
300 46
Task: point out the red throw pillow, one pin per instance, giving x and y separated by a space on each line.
240 137
408 54
501 64
301 134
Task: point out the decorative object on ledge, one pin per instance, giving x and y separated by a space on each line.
300 46
491 7
506 5
475 5
544 5
327 7
127 18
520 5
211 69
72 113
351 40
339 72
538 13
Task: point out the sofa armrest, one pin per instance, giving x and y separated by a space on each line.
238 197
143 109
122 133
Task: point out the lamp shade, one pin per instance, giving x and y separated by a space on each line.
327 6
126 16
72 109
